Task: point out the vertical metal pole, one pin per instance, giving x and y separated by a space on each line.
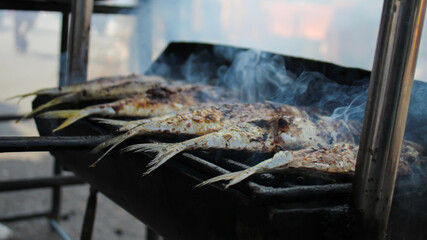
64 48
143 32
385 114
89 218
79 41
57 169
56 192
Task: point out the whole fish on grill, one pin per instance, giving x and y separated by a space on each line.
332 159
201 120
114 92
259 135
92 85
156 101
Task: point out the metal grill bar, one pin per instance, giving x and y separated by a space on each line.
60 6
17 217
51 143
11 117
32 183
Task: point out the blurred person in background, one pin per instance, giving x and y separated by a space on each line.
24 22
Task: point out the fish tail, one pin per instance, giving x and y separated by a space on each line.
105 154
146 147
113 142
71 116
234 178
279 159
51 103
165 151
22 96
58 114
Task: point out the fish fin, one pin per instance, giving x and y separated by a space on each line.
165 151
133 124
124 125
110 121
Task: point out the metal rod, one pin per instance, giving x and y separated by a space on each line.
89 218
32 183
17 217
61 6
11 117
81 12
56 192
54 224
50 143
64 48
143 35
385 114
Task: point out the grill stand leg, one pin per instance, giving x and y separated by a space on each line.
56 193
90 213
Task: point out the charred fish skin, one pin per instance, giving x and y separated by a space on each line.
335 159
262 135
206 118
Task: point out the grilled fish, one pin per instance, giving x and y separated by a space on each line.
92 85
154 102
115 92
336 159
259 135
202 120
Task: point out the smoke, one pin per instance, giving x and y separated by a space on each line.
259 76
199 68
416 125
256 75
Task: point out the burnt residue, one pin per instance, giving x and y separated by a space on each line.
159 93
261 139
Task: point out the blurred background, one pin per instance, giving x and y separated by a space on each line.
341 32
